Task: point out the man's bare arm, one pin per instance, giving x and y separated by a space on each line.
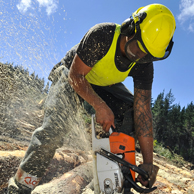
143 123
78 71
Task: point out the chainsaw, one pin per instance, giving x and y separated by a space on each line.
114 164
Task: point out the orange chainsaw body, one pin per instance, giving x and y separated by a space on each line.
121 143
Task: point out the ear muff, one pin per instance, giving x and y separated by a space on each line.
128 27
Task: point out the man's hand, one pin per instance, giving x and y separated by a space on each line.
152 171
105 117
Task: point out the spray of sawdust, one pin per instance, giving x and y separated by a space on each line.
29 31
64 108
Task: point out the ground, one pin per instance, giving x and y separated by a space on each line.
71 169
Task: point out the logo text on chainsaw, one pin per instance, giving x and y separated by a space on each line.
116 179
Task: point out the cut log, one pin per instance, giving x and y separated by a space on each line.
61 163
72 182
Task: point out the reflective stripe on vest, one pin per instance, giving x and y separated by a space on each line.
105 72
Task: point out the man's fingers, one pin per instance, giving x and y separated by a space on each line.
106 127
152 170
113 125
105 118
142 181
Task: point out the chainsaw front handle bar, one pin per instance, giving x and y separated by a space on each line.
140 171
113 157
138 188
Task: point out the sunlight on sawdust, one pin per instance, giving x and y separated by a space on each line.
30 38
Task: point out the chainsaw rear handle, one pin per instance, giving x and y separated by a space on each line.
114 158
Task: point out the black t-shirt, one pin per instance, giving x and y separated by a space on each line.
94 46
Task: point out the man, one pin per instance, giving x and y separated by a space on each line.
106 55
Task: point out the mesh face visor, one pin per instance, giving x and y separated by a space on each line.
149 57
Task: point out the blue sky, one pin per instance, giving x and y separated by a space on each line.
37 34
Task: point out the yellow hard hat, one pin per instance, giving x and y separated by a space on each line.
157 28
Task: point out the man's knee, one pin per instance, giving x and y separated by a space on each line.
47 138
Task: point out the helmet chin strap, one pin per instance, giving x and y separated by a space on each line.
168 49
128 51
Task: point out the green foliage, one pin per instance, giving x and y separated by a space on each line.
89 111
155 143
87 119
46 89
173 126
167 154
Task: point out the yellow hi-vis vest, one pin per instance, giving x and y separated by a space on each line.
105 72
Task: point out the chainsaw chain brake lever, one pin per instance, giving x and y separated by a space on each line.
140 171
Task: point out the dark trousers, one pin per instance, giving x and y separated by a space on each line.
120 100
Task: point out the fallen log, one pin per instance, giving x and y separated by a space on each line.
89 189
72 182
61 163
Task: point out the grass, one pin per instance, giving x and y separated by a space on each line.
169 155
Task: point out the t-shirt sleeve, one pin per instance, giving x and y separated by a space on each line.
143 76
96 43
